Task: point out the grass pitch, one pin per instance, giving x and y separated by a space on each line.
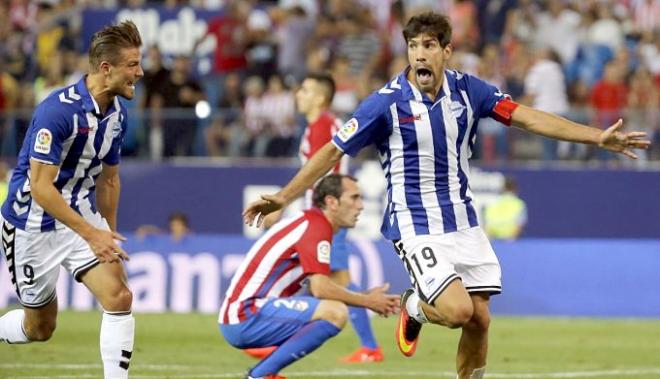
190 346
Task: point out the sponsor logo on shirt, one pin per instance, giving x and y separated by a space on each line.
323 252
348 129
43 141
405 120
457 109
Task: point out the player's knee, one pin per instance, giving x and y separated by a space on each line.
336 313
453 315
480 321
40 330
119 300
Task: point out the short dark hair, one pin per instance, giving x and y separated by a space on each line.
327 83
107 43
179 216
431 23
329 186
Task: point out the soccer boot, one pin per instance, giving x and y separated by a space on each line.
407 329
269 376
260 352
364 355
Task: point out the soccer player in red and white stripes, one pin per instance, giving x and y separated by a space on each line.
266 304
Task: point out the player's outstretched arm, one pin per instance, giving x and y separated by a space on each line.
552 126
325 159
46 195
377 299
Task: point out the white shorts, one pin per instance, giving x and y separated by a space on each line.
434 261
34 260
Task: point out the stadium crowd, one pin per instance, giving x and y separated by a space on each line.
591 61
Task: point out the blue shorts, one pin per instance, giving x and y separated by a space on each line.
339 254
274 323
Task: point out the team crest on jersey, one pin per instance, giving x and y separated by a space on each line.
323 252
43 141
116 128
348 129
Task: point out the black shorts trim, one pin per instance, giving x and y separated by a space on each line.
440 289
9 248
77 273
42 304
121 313
491 290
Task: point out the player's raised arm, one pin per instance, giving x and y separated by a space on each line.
552 126
325 159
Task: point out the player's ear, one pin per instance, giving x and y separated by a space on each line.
105 67
447 50
331 202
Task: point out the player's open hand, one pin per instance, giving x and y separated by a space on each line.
614 140
381 302
102 242
256 211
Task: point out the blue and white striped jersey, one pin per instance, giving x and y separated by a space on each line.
424 148
67 130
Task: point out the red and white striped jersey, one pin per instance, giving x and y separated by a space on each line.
278 263
317 134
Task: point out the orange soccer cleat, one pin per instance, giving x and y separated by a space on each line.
364 355
269 376
407 329
260 352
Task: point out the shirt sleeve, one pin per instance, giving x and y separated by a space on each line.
484 96
114 155
314 249
370 123
49 129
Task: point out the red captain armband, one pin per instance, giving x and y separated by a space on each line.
503 110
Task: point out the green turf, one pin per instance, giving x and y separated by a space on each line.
190 346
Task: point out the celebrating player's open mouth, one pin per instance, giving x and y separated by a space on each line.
424 76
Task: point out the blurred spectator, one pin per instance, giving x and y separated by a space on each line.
646 15
506 217
605 30
294 27
359 45
558 29
178 228
492 18
174 107
545 90
279 108
253 138
345 99
608 98
580 112
643 102
492 134
155 76
51 78
9 92
230 33
218 135
465 31
261 46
